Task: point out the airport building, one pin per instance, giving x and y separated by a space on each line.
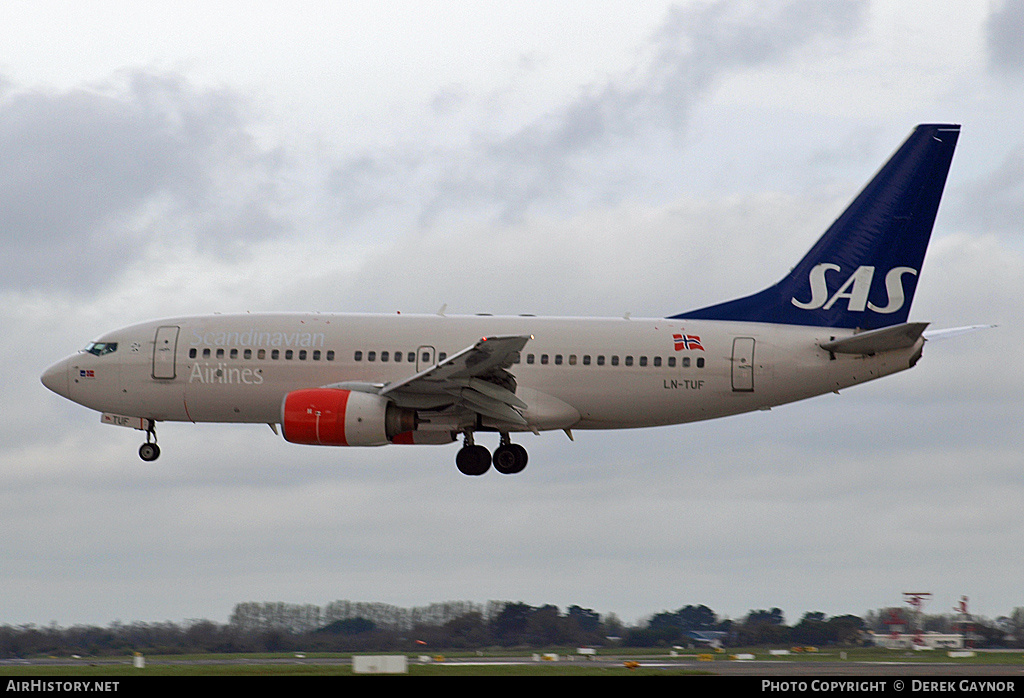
924 641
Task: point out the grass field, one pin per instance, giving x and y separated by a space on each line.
341 670
612 663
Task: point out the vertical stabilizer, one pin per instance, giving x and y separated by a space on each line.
863 271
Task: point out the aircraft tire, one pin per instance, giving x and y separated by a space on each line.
510 459
149 452
473 460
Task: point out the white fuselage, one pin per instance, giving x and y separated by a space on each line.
574 373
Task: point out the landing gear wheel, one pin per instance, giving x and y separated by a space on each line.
510 459
149 452
473 460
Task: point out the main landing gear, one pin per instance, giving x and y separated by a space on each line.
149 451
508 458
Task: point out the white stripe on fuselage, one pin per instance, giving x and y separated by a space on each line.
788 364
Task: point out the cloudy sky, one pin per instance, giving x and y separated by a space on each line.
571 158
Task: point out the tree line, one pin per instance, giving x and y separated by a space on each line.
349 626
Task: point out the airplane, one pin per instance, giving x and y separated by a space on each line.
837 319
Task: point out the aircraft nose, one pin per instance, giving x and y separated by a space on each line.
56 378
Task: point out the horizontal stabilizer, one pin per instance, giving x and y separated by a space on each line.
878 341
936 335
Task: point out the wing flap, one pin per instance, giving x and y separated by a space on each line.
489 407
475 379
493 391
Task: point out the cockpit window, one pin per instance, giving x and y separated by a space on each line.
101 348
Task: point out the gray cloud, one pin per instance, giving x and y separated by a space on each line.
81 168
644 107
1005 37
995 204
831 500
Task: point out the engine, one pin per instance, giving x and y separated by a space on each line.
333 417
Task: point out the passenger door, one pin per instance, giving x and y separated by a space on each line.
165 347
743 365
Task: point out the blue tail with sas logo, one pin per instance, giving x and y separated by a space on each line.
863 271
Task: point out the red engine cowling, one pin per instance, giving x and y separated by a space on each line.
330 417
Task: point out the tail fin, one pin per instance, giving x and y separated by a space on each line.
863 271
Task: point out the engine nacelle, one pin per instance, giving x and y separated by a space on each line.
332 417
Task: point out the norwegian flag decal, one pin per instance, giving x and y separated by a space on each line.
688 342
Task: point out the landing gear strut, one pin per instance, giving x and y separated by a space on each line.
508 459
149 451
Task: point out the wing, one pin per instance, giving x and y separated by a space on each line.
476 379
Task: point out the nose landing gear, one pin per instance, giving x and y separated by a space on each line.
149 451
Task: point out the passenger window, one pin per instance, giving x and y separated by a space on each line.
275 354
398 357
686 362
572 359
316 355
192 353
442 356
643 360
384 356
558 359
586 359
220 353
544 359
330 355
529 358
359 356
615 360
700 363
206 353
600 360
425 358
657 361
302 354
261 354
247 354
412 357
672 362
234 353
371 356
288 354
